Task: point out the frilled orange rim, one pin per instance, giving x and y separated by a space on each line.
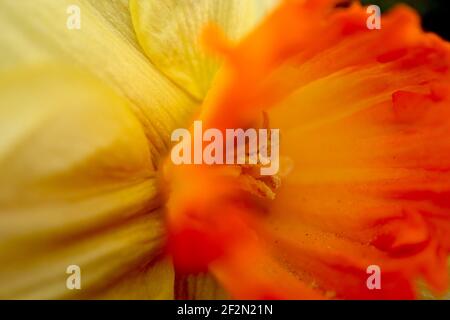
364 117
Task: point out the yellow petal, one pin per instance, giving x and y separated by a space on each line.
76 184
154 282
36 32
169 33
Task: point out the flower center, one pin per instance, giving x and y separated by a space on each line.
250 178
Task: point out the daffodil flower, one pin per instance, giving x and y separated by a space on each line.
86 117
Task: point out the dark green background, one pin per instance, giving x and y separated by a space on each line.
435 13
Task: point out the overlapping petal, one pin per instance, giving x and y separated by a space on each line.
169 31
77 184
35 32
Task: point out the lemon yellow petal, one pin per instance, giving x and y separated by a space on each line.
169 32
150 282
36 32
77 184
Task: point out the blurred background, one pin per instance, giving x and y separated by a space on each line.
435 13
